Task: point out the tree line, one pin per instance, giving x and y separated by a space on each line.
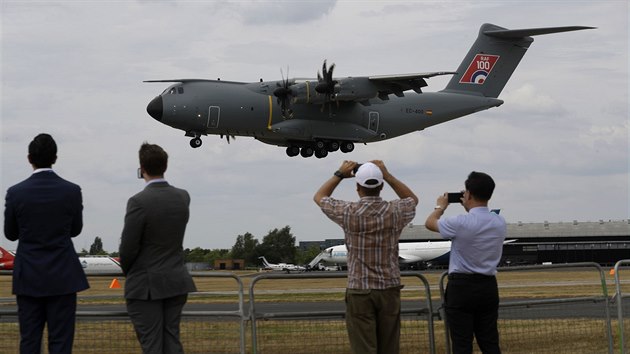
277 246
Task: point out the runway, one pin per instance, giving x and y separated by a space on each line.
509 309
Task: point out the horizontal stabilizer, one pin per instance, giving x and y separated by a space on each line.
520 33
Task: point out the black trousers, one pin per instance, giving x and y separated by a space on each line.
56 311
472 309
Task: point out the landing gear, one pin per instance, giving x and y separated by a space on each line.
307 151
195 142
321 153
293 151
347 146
332 146
319 148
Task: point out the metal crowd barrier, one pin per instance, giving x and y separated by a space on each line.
256 316
536 324
619 298
121 338
545 304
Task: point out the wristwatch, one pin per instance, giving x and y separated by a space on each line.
339 174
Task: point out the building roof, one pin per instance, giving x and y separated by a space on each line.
612 228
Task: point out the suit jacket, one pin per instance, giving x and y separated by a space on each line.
151 253
44 212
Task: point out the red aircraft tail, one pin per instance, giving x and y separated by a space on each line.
6 259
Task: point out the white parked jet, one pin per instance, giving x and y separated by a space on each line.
427 252
408 252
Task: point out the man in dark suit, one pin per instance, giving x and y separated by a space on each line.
44 212
152 257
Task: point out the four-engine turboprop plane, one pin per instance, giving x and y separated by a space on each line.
323 115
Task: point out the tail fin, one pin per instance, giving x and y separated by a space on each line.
493 57
6 259
264 260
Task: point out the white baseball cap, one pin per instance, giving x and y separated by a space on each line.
369 175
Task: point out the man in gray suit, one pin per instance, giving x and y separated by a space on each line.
152 257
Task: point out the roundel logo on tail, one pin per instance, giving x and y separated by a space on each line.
479 69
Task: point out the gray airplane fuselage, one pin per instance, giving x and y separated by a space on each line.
247 109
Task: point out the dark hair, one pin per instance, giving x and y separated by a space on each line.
42 151
371 192
153 159
480 185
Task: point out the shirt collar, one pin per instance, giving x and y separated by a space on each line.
371 198
157 180
480 209
42 170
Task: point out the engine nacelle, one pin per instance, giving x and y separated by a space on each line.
348 89
354 89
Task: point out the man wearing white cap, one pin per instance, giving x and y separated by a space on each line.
372 229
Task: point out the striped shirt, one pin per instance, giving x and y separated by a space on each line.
372 229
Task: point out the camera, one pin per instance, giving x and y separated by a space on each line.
455 197
356 168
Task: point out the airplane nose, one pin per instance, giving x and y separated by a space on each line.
155 108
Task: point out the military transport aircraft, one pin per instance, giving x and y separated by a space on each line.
327 114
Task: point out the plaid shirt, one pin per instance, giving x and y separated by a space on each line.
372 229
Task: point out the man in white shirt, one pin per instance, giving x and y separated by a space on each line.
472 295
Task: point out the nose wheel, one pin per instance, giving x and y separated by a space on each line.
195 142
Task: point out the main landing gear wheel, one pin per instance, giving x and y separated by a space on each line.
332 146
347 146
307 151
321 153
293 151
195 143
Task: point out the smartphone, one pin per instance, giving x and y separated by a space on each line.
139 173
455 197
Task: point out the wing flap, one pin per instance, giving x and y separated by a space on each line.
397 84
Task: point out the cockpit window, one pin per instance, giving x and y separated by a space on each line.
174 90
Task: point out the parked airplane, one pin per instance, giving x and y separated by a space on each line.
100 265
91 264
284 267
6 259
318 116
427 253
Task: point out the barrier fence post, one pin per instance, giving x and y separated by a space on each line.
619 297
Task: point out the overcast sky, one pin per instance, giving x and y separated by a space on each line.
557 148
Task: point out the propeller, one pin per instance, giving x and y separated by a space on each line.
325 82
284 94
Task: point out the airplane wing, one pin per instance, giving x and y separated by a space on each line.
396 84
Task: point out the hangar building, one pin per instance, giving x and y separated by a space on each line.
603 242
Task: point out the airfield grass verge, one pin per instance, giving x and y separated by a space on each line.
575 336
